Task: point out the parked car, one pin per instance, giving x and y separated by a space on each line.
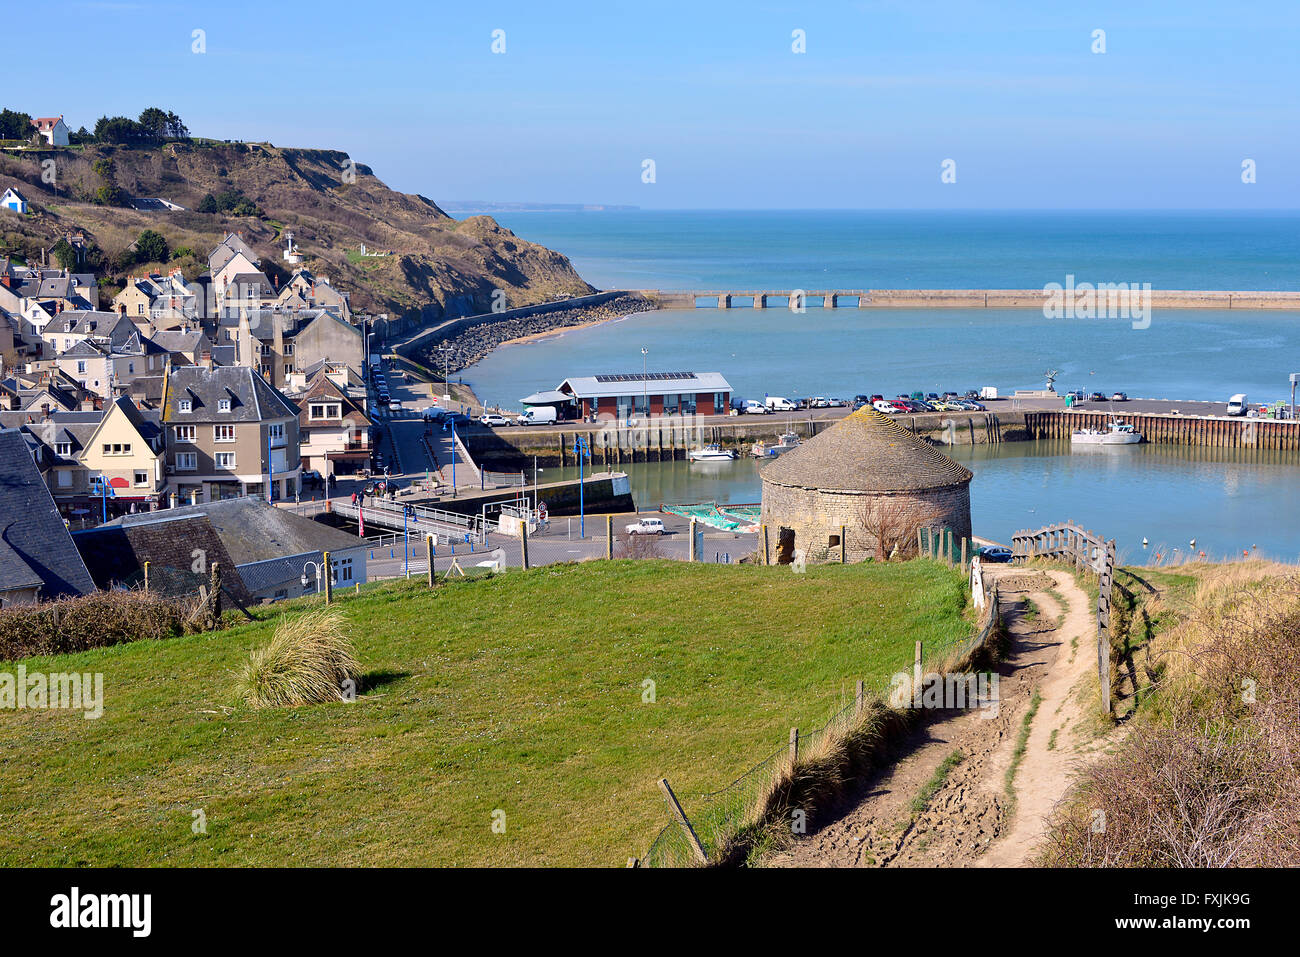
493 419
994 553
382 487
1119 397
838 403
819 402
432 414
310 478
1237 404
1097 397
859 400
754 407
384 399
647 526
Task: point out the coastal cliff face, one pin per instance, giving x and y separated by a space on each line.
430 264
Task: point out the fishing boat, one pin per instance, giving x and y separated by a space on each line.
1117 433
770 450
711 453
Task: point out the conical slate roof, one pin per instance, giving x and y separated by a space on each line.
866 452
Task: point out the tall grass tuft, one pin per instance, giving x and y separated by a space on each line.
310 660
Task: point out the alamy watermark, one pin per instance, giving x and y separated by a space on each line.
1102 300
37 690
958 690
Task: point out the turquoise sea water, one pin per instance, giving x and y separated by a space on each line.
863 249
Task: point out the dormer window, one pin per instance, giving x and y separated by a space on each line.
223 405
63 449
185 405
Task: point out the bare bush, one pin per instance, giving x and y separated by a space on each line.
627 545
96 620
890 527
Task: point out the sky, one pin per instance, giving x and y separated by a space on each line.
715 94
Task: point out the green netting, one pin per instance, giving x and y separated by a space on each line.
729 518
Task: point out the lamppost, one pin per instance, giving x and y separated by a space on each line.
317 566
583 451
451 423
446 350
105 493
645 387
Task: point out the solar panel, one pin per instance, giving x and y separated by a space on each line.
646 377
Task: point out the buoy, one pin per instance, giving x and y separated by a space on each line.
1144 541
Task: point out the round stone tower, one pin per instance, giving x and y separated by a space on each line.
875 478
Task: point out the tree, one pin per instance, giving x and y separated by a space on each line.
209 204
151 247
890 526
15 125
153 122
65 254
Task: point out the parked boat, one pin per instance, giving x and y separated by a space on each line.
1117 433
711 453
770 450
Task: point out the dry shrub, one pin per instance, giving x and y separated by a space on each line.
97 620
309 660
1209 778
627 545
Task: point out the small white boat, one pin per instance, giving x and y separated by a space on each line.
770 450
1118 433
711 453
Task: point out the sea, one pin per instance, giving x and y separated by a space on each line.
1227 503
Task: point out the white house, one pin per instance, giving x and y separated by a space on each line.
14 201
53 129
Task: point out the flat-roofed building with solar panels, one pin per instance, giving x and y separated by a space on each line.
619 396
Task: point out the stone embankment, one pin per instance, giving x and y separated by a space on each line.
472 342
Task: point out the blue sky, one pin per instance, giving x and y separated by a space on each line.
712 92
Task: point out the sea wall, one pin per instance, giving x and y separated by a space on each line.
1187 430
996 298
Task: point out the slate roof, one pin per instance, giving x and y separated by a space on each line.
253 530
252 398
653 383
866 452
35 547
115 554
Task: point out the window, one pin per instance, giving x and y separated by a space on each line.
185 433
342 570
130 368
223 433
141 479
266 350
223 405
185 405
288 368
186 461
139 309
63 449
671 403
275 433
65 478
288 348
325 410
225 460
81 367
719 402
117 448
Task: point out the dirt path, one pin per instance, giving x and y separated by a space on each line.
970 820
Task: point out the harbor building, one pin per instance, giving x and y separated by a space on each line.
621 395
873 478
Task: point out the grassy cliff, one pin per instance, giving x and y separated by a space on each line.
437 264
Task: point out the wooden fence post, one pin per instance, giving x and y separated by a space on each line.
844 545
767 554
428 552
675 808
146 578
214 583
693 556
963 555
918 543
523 542
916 675
609 536
794 745
329 582
859 696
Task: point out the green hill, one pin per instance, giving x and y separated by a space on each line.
437 264
521 692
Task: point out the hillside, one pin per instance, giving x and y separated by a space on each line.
523 692
438 265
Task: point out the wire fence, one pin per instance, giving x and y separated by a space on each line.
717 816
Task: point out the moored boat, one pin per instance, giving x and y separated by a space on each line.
770 450
711 453
1117 433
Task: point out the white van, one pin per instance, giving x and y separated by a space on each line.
538 415
1237 404
778 404
754 407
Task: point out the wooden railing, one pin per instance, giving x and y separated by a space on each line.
1086 551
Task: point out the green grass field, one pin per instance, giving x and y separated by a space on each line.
520 693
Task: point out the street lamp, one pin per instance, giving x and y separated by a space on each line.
583 451
451 423
645 387
317 566
105 492
446 350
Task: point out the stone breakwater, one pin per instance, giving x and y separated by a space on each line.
472 343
